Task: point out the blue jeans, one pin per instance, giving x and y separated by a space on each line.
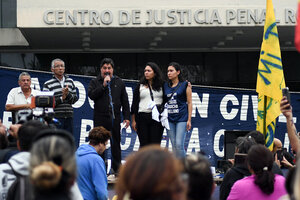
177 135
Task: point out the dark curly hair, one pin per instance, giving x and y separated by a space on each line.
99 135
157 81
107 61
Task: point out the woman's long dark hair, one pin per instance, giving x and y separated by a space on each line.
177 67
260 159
157 82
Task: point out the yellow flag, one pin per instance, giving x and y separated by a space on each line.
270 78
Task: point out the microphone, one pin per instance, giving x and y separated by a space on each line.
107 74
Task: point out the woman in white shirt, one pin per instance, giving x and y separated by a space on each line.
146 95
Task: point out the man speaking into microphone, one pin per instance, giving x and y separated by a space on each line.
109 95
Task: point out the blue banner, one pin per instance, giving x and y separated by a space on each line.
214 111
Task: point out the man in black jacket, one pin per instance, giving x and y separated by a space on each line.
109 95
240 168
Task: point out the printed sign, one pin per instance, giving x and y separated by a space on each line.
214 111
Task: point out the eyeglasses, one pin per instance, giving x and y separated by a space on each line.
24 80
57 66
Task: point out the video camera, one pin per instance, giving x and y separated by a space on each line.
42 108
44 101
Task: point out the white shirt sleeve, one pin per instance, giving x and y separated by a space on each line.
11 97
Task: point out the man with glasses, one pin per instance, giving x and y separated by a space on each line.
19 98
65 94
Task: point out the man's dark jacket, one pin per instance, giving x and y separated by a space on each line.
99 94
236 173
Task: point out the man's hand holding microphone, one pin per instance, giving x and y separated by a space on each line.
107 79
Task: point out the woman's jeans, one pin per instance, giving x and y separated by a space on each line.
177 135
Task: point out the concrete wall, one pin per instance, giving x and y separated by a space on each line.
8 16
154 13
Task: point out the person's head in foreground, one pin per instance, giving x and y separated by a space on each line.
200 179
151 173
260 162
52 163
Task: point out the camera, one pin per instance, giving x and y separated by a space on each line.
44 101
279 154
43 108
285 92
23 116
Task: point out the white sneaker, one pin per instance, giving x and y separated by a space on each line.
111 178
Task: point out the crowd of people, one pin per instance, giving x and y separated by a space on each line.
39 161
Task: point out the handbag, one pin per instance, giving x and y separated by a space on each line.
160 108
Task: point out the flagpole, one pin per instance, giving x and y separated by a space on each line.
265 116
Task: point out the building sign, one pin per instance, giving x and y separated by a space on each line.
214 111
135 14
180 17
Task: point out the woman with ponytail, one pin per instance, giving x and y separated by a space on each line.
262 184
52 165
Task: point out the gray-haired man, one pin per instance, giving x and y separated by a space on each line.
19 98
64 92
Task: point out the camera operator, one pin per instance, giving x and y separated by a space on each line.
3 137
282 157
8 144
19 98
65 95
